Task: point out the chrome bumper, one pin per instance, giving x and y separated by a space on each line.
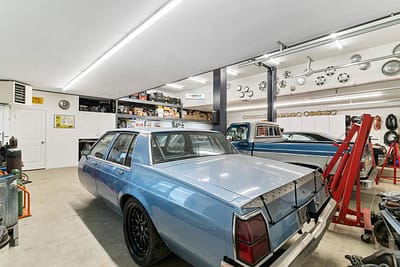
309 241
304 245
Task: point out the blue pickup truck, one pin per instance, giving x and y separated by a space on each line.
264 139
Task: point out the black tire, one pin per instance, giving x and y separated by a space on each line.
389 137
381 233
141 237
391 122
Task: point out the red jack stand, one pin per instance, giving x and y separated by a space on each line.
347 175
394 147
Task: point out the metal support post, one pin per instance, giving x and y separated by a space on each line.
219 119
271 94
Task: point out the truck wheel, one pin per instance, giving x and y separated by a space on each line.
143 241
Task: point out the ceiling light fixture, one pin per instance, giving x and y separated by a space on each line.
175 86
243 108
337 42
267 58
195 79
231 72
273 61
136 32
305 102
329 99
358 103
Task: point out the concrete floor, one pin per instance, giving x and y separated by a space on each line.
69 227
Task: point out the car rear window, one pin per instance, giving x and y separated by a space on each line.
170 146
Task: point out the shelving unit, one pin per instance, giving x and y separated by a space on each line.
131 110
192 115
92 104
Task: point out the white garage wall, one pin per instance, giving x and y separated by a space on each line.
4 123
62 144
333 124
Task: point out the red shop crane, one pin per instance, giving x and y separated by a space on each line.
347 175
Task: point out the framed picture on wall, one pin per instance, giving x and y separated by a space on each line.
64 121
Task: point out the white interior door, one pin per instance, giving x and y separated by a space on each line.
31 134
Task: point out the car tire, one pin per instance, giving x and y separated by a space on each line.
144 243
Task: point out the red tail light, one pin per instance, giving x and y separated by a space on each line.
252 243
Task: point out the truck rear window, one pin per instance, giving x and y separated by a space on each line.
267 131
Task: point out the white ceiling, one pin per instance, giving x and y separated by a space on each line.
46 43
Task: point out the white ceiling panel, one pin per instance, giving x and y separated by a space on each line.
46 43
50 42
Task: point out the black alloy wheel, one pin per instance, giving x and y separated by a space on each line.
143 241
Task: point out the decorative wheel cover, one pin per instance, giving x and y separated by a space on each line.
343 77
320 80
330 71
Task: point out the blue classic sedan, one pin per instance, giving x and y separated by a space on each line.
192 193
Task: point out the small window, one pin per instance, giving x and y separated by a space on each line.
277 131
119 150
101 146
238 133
262 131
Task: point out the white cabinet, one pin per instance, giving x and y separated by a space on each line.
94 124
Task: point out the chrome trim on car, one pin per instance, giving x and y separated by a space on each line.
246 217
110 162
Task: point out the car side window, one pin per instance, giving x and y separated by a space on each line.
129 156
298 137
119 150
101 146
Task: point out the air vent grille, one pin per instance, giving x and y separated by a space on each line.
19 93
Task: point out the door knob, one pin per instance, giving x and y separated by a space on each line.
42 142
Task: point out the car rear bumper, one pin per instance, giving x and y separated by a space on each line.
304 245
309 241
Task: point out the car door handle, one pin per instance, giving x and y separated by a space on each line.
120 172
95 163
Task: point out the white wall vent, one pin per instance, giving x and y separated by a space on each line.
15 93
19 93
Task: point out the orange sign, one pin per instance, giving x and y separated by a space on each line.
37 100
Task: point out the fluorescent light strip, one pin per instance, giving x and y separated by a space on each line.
243 108
231 72
314 101
195 79
176 86
273 61
359 103
338 44
329 99
136 32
